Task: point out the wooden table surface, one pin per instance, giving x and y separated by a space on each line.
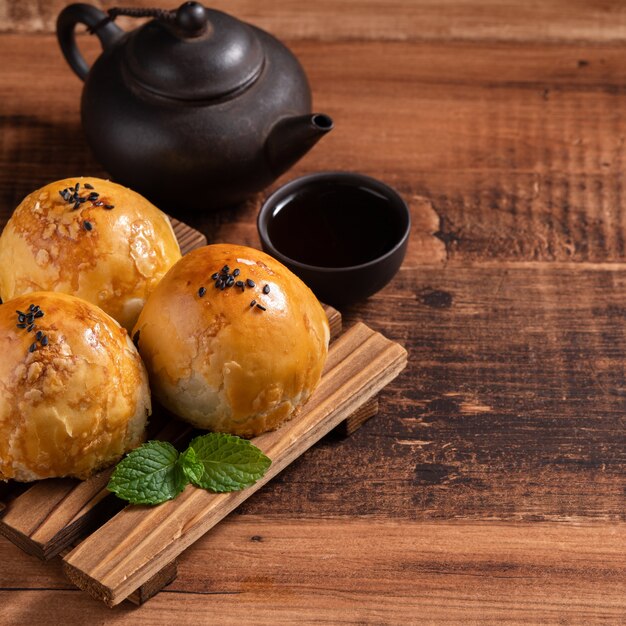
490 488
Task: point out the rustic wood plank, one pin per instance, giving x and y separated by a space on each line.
373 570
512 161
511 408
138 541
534 20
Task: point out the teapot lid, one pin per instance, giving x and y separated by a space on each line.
194 53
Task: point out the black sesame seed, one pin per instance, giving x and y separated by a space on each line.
30 327
39 335
20 313
44 341
252 303
222 285
76 187
87 225
201 291
109 206
31 307
237 272
88 186
39 314
76 205
82 200
230 282
21 318
250 282
21 325
218 283
239 283
215 276
33 347
62 194
30 318
266 289
93 195
225 269
260 306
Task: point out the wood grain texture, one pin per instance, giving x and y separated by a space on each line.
533 20
139 541
503 126
263 570
511 407
188 238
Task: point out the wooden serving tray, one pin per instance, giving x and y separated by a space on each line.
116 551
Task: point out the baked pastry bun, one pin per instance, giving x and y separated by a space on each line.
90 238
74 393
233 341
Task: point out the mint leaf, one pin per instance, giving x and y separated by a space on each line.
192 468
229 463
151 474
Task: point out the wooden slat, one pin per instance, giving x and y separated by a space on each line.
139 541
334 321
188 238
152 586
53 513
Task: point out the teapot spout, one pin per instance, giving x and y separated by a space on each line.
291 138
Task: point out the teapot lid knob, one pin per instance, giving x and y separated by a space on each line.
192 53
191 19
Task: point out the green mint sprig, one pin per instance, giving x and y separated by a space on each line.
156 471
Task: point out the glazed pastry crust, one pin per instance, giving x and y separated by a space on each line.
221 364
45 246
75 405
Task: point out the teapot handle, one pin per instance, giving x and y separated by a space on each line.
96 21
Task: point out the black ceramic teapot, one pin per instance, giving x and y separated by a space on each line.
194 109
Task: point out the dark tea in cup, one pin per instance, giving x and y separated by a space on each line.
343 233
